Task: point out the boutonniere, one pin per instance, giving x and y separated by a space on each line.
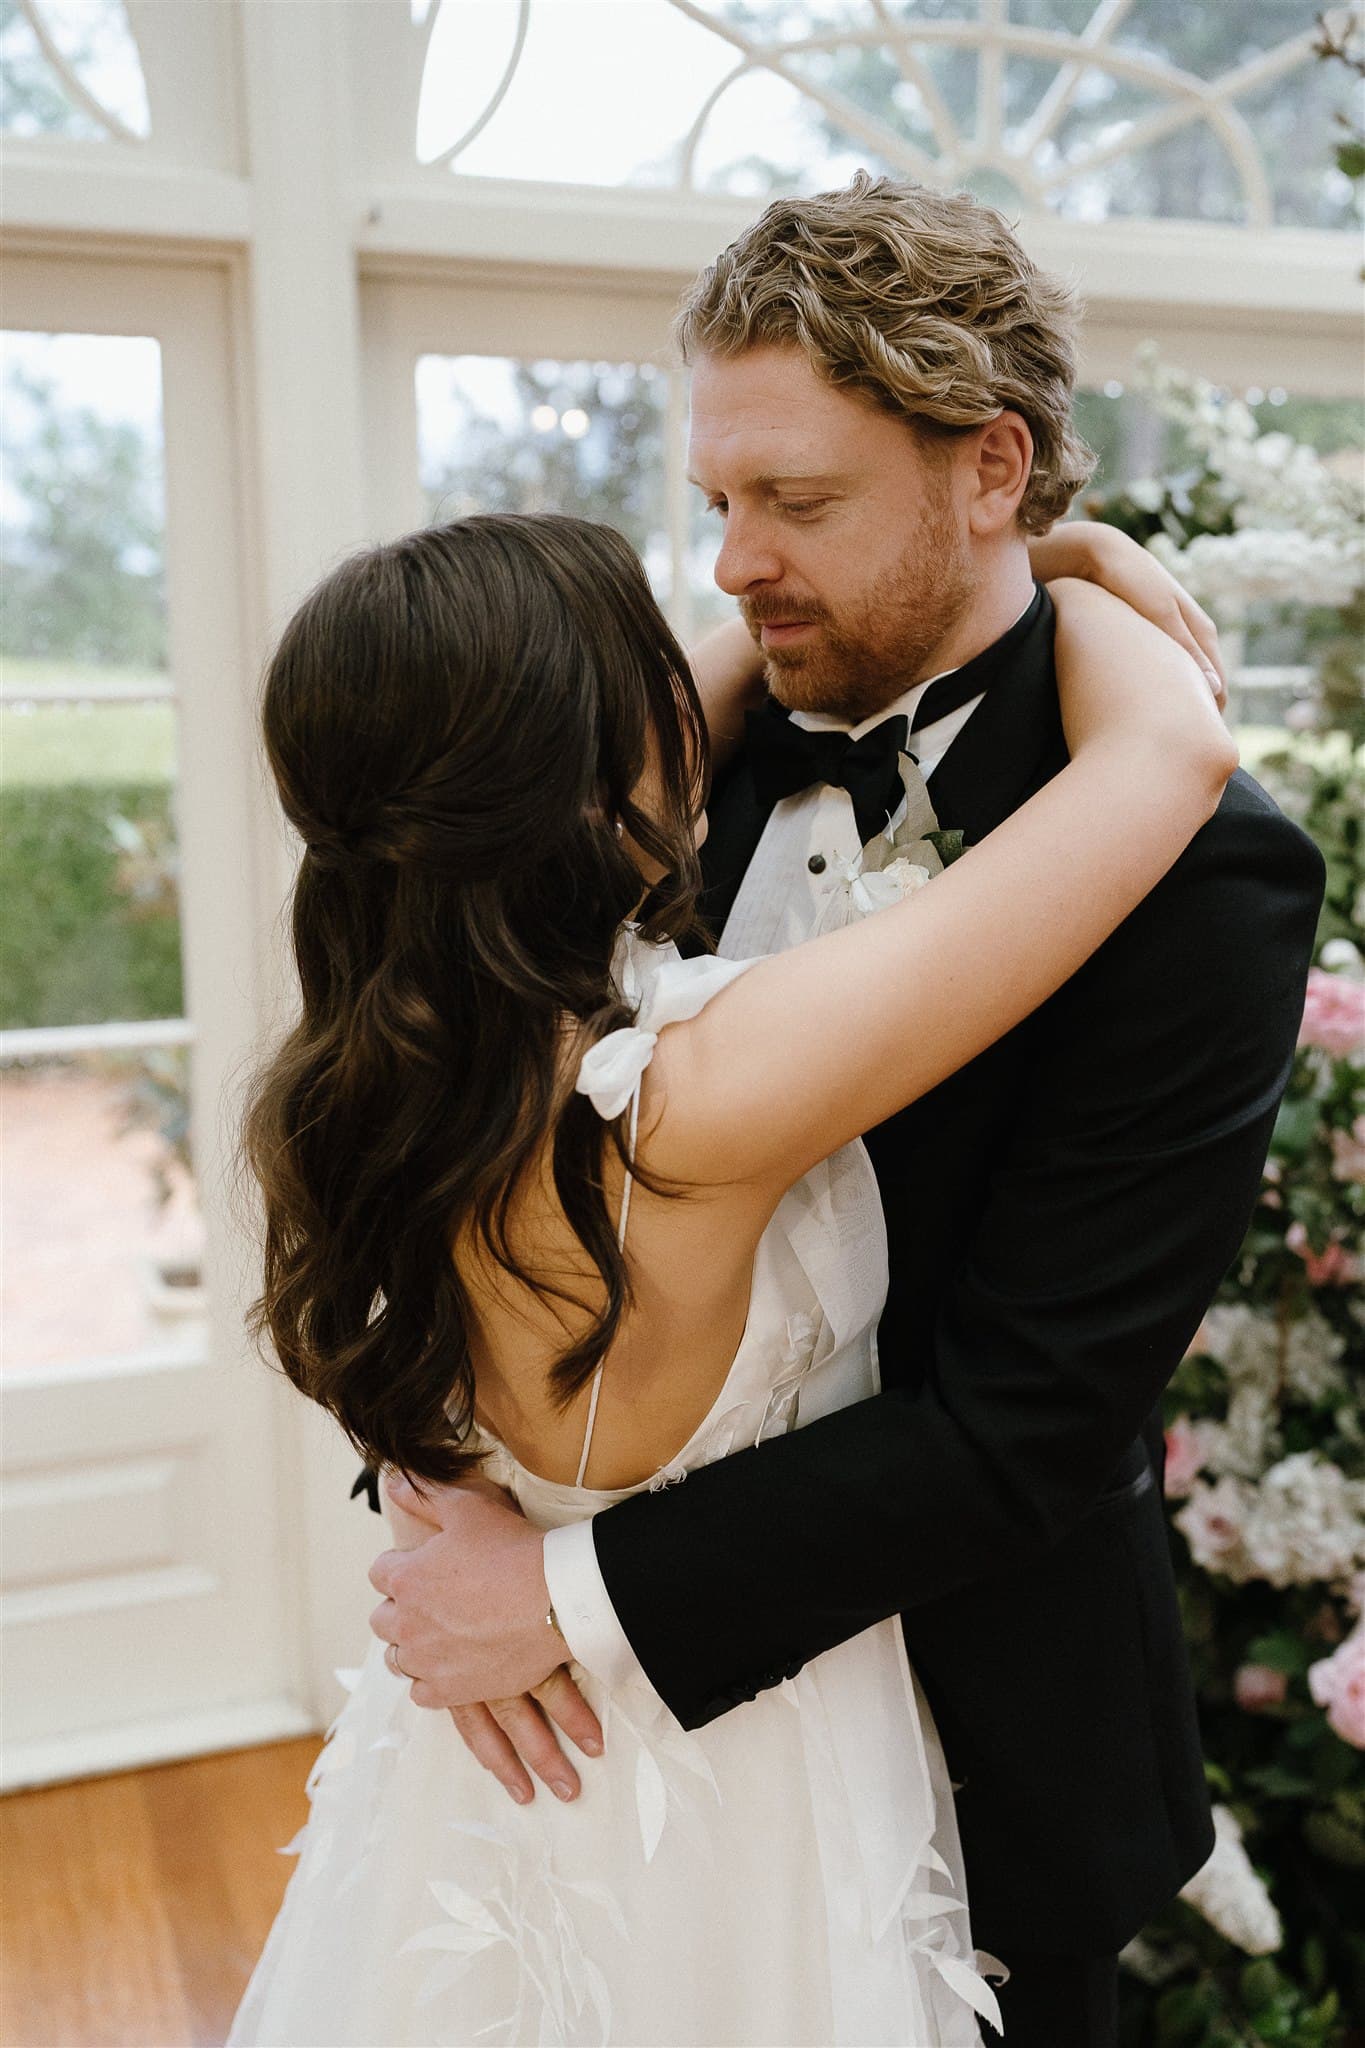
857 888
876 888
886 871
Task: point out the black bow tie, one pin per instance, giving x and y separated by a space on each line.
784 758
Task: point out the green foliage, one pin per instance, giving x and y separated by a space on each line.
1320 782
1257 2004
81 939
1276 1374
1299 1788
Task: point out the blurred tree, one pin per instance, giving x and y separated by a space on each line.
529 461
84 576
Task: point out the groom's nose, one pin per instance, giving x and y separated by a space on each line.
747 559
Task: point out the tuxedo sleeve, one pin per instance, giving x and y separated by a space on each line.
1118 1198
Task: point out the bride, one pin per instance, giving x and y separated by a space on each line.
518 1152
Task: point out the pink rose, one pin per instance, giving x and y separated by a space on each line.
1338 1684
1334 1015
1332 1267
1257 1686
1348 1152
1184 1456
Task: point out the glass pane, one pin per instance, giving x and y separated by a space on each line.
765 136
101 1230
499 435
87 83
98 1186
573 111
83 510
91 930
1190 174
92 926
562 110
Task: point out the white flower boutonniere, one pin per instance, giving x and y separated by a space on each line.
884 886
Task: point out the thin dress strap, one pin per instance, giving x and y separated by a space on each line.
620 1246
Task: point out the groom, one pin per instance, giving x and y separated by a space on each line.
881 417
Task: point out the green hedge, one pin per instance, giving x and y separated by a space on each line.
74 948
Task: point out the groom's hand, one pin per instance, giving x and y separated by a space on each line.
466 1609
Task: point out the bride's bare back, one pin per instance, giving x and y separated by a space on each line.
690 1261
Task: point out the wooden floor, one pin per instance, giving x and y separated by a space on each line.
133 1907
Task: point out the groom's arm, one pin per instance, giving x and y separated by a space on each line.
1118 1202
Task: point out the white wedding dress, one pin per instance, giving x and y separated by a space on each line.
788 1874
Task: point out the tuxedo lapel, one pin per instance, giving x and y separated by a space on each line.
1013 742
1009 747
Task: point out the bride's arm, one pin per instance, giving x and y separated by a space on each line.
1116 562
816 1045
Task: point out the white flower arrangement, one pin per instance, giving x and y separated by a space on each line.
1229 1894
878 889
1300 526
1301 1524
1262 565
1253 1349
860 887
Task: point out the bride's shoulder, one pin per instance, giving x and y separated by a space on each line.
662 988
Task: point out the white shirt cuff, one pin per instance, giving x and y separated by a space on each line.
583 1608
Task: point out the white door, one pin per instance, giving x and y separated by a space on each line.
144 1614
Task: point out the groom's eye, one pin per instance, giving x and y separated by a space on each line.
801 508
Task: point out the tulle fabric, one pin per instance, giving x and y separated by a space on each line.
788 1874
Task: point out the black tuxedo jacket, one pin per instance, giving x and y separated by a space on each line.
1060 1213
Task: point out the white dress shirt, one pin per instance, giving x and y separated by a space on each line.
778 905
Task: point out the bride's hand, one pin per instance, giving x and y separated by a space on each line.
510 1737
1096 553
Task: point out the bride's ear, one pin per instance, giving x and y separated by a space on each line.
1004 459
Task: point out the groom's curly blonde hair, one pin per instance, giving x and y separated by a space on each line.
922 300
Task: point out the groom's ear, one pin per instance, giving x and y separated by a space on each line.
1002 459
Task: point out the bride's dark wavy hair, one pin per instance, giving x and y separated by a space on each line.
456 724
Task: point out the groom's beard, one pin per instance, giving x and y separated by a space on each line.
863 657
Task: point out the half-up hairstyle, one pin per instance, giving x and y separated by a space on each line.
456 724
